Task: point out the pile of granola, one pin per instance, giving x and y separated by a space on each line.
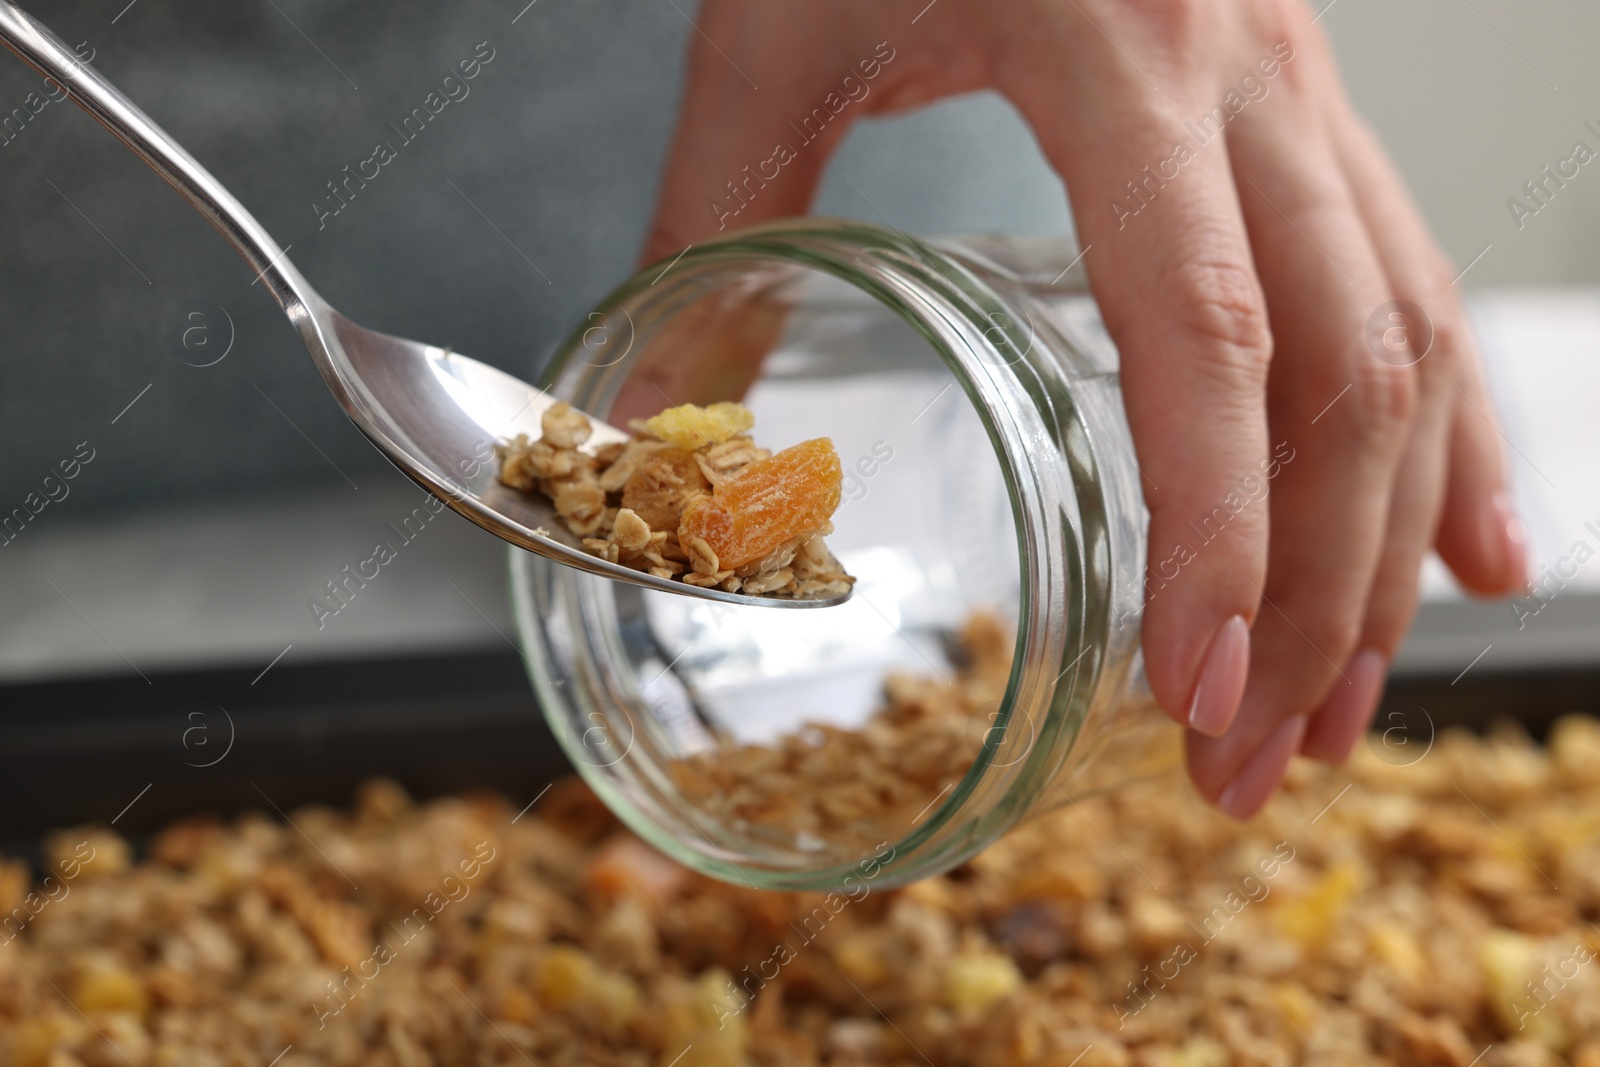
635 503
1436 913
855 787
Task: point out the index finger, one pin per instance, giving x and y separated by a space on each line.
1169 261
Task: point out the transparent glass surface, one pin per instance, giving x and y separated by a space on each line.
986 665
925 525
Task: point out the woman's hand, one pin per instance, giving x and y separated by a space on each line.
1272 289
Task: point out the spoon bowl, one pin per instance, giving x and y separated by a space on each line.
435 414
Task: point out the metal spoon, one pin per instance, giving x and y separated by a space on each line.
433 412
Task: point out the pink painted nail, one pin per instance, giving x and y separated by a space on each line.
1514 536
1347 712
1262 772
1222 676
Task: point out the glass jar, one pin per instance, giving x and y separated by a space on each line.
987 666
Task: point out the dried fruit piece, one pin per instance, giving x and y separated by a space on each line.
1309 918
108 986
568 978
624 866
975 979
690 426
767 503
663 484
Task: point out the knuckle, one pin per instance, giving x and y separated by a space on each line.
1383 400
1281 27
1334 633
1175 20
1452 339
1274 20
1220 305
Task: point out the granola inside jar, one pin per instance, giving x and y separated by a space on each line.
986 666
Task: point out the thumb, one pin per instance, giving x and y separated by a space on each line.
765 105
762 112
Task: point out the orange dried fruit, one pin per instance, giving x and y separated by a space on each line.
658 490
691 426
766 503
626 866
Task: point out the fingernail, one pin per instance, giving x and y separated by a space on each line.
1222 676
1262 772
1338 724
1514 536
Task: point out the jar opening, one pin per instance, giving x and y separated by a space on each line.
799 749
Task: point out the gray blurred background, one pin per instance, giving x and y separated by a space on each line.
221 499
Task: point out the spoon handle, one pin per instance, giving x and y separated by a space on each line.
41 49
